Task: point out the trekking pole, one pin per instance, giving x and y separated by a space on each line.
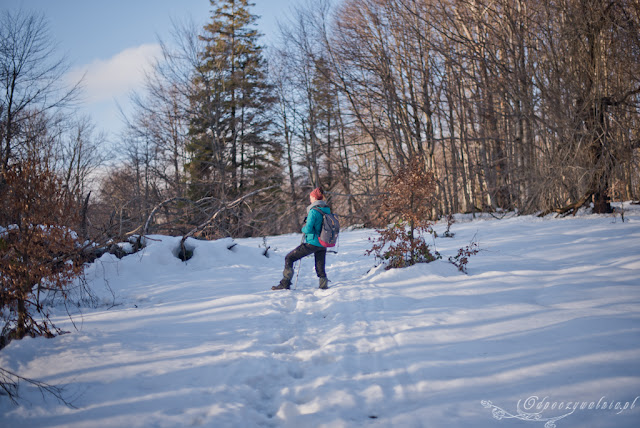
295 286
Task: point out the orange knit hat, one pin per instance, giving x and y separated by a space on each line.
317 193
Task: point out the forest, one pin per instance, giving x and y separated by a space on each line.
509 105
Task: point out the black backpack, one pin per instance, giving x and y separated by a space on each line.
329 230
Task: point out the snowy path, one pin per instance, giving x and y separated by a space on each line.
550 308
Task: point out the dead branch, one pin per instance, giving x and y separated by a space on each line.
134 231
225 207
9 386
145 229
568 209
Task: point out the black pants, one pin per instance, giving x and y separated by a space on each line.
304 250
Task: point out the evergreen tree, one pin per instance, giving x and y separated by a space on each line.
229 145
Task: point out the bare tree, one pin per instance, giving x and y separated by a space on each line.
31 77
80 152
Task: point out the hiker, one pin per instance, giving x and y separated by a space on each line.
310 244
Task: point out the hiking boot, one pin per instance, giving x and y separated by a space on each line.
282 286
324 283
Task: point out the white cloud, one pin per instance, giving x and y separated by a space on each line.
110 78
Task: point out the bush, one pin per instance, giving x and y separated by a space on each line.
38 250
461 259
409 199
398 248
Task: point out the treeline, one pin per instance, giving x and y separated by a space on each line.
512 105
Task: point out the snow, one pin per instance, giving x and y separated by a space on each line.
546 321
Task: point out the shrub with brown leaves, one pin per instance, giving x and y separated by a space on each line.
409 199
38 249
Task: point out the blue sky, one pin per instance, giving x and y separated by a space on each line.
111 42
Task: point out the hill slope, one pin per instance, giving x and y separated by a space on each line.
550 309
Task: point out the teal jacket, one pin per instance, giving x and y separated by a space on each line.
313 225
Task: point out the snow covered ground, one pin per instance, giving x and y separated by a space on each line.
544 329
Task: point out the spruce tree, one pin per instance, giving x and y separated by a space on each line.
229 145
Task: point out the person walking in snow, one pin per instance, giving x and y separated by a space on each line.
310 244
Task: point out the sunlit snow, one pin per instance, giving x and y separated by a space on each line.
546 320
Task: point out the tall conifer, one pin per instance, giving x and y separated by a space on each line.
230 149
